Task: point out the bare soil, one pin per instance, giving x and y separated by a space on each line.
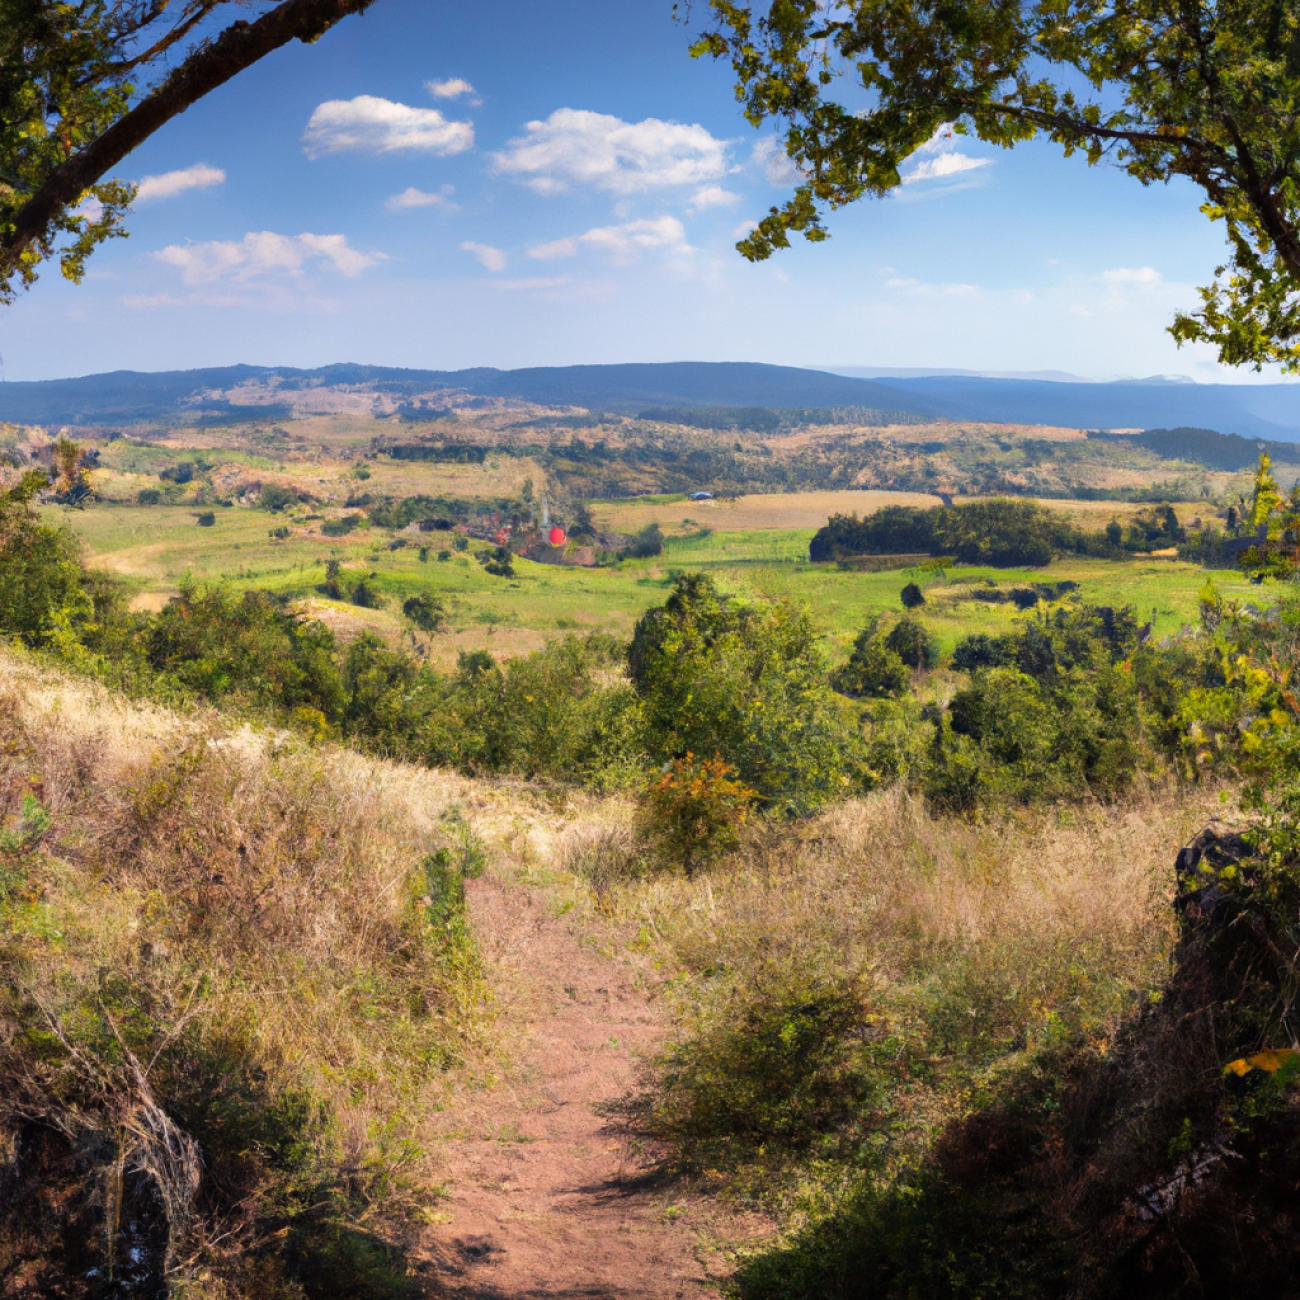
544 1200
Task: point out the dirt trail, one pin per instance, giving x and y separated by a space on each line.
542 1201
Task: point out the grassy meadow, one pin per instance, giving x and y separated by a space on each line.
755 545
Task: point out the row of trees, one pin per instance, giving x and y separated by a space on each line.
1000 532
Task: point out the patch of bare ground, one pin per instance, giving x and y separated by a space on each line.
543 1200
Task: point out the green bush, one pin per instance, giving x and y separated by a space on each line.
912 597
874 670
425 612
340 527
782 1071
916 647
222 644
274 497
46 596
744 682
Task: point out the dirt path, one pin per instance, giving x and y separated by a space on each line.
542 1201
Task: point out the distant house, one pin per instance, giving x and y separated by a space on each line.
700 496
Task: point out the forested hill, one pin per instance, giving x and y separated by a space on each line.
1269 411
129 396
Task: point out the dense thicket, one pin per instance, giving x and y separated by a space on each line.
1001 532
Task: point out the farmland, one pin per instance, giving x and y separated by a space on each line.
755 546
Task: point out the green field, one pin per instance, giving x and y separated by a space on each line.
154 547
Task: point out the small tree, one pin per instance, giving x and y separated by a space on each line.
695 810
873 671
425 612
909 640
912 596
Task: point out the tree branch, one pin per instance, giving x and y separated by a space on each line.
211 65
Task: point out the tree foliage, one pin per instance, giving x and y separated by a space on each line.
745 683
1162 88
83 83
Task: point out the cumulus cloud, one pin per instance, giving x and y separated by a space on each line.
778 166
940 158
577 147
263 253
413 198
492 259
375 125
713 196
1131 277
620 243
169 184
452 88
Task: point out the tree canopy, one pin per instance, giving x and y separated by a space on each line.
1205 89
83 82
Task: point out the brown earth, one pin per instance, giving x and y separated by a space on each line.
544 1200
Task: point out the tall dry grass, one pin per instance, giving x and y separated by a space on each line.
233 931
908 961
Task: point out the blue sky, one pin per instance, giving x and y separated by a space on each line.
538 183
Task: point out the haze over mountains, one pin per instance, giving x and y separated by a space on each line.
1270 411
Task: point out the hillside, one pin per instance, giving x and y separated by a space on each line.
127 398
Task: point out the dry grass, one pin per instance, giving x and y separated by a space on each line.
965 949
225 927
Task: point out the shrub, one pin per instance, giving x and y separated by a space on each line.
647 543
244 647
274 497
695 810
1002 532
45 594
340 527
425 612
874 670
979 650
365 596
148 497
911 596
206 519
916 647
278 534
498 562
745 682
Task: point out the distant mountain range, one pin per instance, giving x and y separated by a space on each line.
124 397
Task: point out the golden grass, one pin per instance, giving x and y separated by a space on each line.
233 895
969 948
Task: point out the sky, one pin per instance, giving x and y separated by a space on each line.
527 182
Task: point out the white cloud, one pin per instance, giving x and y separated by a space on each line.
713 196
263 253
169 184
1141 277
577 147
945 159
778 166
380 126
744 229
413 198
620 243
947 164
493 259
449 89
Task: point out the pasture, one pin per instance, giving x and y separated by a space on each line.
755 547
